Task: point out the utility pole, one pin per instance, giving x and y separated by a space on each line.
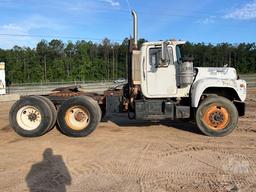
117 62
126 62
229 59
25 70
68 64
45 68
113 63
108 66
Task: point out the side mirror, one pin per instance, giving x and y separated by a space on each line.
165 60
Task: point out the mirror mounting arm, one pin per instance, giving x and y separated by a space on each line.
164 49
164 62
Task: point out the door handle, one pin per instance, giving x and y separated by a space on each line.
143 65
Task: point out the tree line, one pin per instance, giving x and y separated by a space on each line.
240 56
56 61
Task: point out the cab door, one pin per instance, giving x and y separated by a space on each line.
161 81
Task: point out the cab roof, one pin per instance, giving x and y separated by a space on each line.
171 42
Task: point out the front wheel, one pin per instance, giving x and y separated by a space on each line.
216 116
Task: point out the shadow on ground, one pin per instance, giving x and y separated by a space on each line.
50 174
123 121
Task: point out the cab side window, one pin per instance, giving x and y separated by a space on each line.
155 57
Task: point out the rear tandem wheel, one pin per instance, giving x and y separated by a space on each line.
53 111
78 116
30 116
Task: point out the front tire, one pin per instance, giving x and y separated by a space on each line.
216 116
78 116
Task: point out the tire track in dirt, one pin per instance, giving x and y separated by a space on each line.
213 182
118 168
87 168
172 150
246 129
213 185
188 148
153 179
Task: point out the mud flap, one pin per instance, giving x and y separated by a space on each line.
240 107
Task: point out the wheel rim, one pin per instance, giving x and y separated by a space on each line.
77 118
216 117
28 118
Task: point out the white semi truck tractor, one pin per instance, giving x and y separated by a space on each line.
162 84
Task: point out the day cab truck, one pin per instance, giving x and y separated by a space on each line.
162 84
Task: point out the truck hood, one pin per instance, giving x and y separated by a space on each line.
215 72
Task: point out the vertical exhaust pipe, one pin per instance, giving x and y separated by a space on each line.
135 28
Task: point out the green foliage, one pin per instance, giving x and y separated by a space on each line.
55 61
85 60
242 56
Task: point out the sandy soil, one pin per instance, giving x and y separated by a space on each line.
124 155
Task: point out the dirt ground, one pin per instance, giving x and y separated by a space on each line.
124 155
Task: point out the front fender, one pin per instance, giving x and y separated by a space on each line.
201 85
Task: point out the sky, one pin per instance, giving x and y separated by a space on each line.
26 22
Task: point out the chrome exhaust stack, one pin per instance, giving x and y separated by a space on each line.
135 28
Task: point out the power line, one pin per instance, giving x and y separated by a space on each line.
129 5
99 39
165 10
156 11
57 37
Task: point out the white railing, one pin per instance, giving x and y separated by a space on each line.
89 86
250 79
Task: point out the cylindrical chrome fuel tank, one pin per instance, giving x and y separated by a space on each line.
186 73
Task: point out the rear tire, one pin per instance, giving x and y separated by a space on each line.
216 116
53 111
78 116
30 117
